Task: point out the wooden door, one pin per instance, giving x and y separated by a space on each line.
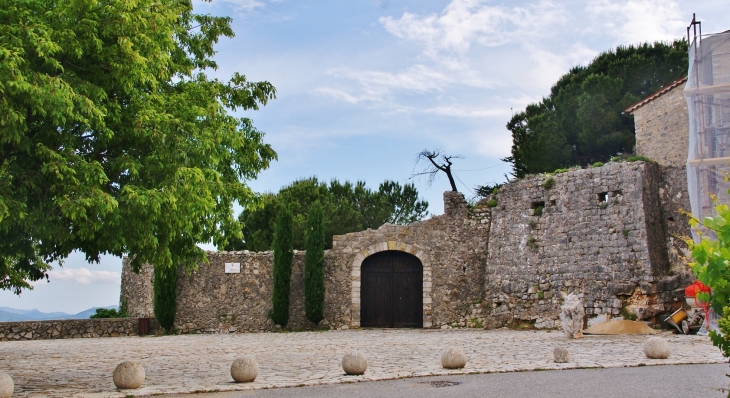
391 291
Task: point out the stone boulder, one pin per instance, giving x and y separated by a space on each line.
354 363
244 370
571 317
453 358
6 385
561 355
128 375
656 348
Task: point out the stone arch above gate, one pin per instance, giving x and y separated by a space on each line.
414 250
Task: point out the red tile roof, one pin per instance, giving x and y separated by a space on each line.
655 95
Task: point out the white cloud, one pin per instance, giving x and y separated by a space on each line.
240 6
84 276
637 21
464 23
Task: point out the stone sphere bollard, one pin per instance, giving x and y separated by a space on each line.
6 385
128 375
656 348
453 358
244 370
354 363
561 355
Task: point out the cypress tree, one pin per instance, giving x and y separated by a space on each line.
314 264
283 253
165 291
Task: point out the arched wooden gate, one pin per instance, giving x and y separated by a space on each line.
391 292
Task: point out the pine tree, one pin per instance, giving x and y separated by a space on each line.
314 264
283 254
165 304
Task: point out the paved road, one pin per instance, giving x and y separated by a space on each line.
190 363
681 381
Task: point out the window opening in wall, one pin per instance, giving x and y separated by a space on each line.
537 208
603 197
553 203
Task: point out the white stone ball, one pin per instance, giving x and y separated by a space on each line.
354 363
561 355
656 348
128 375
6 385
453 358
244 370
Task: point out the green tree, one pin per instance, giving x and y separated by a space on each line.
710 259
314 264
283 256
346 208
165 296
581 121
102 313
114 140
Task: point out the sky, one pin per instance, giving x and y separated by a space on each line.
364 85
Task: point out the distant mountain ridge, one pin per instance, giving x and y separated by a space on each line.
8 314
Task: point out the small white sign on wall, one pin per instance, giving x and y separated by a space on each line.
233 268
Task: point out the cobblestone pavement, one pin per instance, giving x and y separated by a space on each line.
194 363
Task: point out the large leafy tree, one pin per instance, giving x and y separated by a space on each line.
581 121
112 137
346 208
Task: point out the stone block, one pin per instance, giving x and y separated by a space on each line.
128 375
244 370
453 358
656 348
354 363
6 385
561 355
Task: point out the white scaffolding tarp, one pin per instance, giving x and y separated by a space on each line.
708 100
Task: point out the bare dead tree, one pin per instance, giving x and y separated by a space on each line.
435 161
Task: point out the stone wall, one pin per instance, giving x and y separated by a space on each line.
610 234
212 301
662 128
137 290
71 328
452 249
597 232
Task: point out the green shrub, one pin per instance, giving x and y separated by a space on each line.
639 159
283 255
628 315
709 264
314 264
532 244
492 203
549 183
102 313
598 164
631 158
558 171
165 300
538 211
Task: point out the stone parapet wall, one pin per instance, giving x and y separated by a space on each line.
212 301
71 328
662 128
600 235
